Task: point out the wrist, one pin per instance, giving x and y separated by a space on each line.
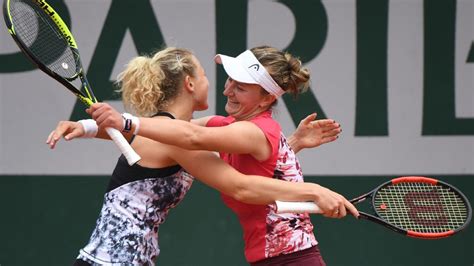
90 128
294 143
316 192
131 123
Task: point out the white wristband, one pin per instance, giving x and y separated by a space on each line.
128 121
90 128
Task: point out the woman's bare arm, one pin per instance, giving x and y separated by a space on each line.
253 189
239 138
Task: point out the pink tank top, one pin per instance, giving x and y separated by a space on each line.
267 234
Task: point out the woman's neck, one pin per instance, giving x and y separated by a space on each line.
179 113
251 115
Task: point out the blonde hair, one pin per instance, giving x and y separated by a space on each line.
149 84
285 69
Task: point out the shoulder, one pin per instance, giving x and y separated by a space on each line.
218 120
266 122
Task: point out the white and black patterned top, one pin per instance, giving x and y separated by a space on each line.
137 201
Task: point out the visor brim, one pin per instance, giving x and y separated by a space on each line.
235 69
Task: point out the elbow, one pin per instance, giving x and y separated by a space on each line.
195 141
242 192
241 195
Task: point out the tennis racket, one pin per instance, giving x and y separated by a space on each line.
415 206
44 38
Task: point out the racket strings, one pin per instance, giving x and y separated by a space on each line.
421 207
41 35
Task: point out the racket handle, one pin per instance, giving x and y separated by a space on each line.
297 207
123 145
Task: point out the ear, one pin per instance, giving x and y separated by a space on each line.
267 100
188 84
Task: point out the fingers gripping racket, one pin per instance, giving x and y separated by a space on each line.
45 39
415 206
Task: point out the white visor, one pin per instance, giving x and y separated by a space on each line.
246 68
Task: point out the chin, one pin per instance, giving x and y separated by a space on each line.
203 107
228 110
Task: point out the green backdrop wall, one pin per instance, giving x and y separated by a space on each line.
45 220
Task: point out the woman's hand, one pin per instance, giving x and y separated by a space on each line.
334 205
313 133
106 116
67 129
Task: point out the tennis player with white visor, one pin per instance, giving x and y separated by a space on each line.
251 141
246 68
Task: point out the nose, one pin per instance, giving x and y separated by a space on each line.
229 87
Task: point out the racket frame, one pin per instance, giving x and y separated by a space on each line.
311 207
419 179
411 179
88 97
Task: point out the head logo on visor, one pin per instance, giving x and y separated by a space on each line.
255 66
246 68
